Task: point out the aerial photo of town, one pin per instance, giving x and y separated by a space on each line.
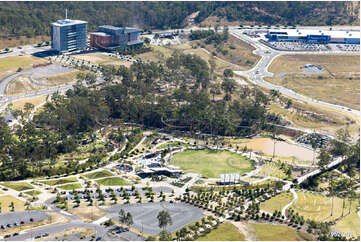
179 120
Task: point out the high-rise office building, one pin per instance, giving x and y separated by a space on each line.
68 35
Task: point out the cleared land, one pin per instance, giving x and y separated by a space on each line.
211 163
6 201
23 84
268 232
317 207
277 202
98 174
225 232
60 181
70 186
102 59
340 84
19 104
9 65
87 214
18 186
113 181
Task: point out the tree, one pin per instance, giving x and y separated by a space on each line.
129 219
165 236
12 207
122 216
227 73
324 159
164 219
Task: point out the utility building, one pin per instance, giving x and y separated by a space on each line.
68 35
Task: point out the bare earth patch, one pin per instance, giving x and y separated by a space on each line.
88 214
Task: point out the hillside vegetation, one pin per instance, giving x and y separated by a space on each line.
34 18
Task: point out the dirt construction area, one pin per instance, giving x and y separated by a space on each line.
35 79
145 215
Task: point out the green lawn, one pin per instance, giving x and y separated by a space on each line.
60 181
317 207
277 202
225 232
113 181
70 186
268 232
350 223
18 186
98 174
272 170
211 163
175 143
33 193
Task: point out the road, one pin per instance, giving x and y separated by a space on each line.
260 70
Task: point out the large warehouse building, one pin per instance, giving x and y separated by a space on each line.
314 36
68 35
112 37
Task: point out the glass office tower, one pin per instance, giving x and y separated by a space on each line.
68 35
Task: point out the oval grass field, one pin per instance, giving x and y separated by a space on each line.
211 163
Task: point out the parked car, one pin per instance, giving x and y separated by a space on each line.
45 235
98 238
15 234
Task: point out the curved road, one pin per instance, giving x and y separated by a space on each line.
258 72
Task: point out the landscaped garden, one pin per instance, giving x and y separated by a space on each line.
98 174
60 181
211 163
71 186
113 181
18 186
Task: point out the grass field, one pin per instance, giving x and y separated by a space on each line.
9 65
7 42
333 63
238 53
317 207
211 163
18 186
272 170
113 181
60 181
340 84
6 201
70 186
268 232
33 193
19 104
351 222
277 202
225 232
98 174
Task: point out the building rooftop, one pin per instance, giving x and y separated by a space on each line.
125 29
305 32
100 34
68 22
